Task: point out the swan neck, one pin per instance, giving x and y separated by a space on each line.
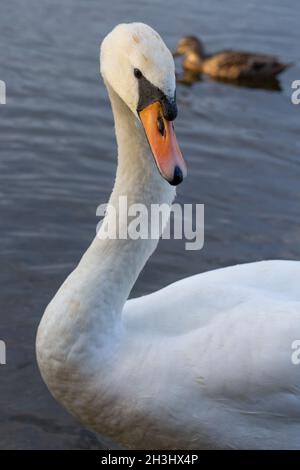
119 261
85 316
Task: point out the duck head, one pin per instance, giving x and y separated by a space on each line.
190 45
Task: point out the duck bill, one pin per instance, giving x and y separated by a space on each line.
163 143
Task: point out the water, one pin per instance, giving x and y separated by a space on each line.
57 163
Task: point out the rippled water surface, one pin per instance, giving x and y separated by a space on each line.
57 163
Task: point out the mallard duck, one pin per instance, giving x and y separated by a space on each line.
228 64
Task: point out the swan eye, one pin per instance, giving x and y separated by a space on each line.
137 73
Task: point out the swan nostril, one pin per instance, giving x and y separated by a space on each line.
161 125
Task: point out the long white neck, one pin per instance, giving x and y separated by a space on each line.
110 267
78 335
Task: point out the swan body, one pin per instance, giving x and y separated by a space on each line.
203 363
227 64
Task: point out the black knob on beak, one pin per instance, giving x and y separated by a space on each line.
178 177
169 108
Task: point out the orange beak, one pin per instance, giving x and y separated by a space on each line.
163 143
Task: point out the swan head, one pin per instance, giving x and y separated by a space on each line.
139 67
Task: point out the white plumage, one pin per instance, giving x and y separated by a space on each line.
202 363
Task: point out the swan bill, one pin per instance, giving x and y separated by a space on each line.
163 143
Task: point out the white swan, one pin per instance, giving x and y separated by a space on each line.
203 363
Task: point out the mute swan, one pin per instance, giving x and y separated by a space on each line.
203 363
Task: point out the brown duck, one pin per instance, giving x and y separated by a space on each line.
227 64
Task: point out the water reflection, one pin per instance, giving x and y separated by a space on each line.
188 78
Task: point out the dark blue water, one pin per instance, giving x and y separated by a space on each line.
57 163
